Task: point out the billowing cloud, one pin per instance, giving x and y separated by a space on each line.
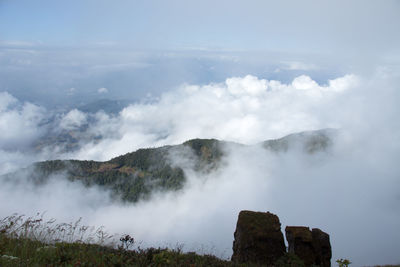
73 120
349 192
19 122
242 109
20 127
342 192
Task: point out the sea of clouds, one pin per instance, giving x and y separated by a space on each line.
351 191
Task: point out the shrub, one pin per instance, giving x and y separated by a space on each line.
289 260
343 262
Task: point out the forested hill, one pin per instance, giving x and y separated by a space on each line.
136 175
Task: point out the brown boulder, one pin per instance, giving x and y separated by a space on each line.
322 248
300 242
258 238
312 247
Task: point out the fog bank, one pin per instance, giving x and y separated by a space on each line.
349 191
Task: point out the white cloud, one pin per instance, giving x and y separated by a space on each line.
340 192
19 128
248 85
102 90
13 160
349 191
304 82
343 83
6 100
73 120
19 122
242 109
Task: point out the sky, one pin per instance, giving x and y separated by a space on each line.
70 50
316 26
242 71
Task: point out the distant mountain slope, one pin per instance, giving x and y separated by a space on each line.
136 175
309 141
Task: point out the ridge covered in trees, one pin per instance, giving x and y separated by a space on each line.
136 175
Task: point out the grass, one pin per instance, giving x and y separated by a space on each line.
32 241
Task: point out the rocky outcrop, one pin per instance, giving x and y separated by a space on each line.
300 242
312 247
258 238
322 248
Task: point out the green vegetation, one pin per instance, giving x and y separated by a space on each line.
25 252
310 142
35 242
208 152
135 176
132 176
343 262
289 260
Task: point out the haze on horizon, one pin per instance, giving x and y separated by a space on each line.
243 71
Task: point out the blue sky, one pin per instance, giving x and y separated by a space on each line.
317 26
48 47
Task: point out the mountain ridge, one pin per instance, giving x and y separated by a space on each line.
136 175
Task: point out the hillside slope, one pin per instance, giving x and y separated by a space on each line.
136 175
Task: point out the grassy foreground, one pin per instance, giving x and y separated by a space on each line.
35 242
32 241
20 252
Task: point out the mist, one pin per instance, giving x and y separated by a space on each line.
346 192
349 191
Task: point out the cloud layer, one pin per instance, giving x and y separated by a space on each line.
242 109
19 122
350 192
73 120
